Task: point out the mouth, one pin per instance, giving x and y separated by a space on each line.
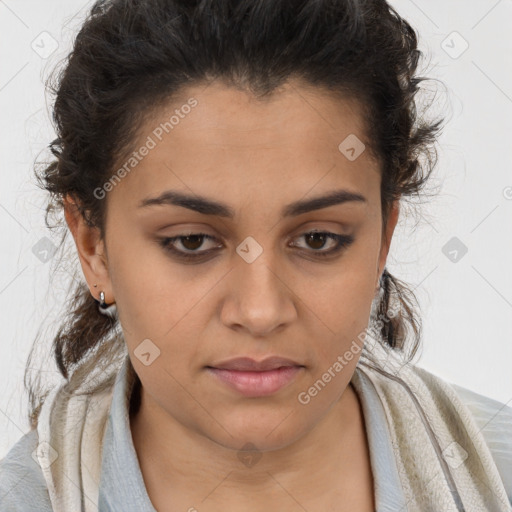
254 379
248 364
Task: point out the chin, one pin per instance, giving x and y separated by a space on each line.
261 434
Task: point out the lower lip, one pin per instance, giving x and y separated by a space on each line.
257 383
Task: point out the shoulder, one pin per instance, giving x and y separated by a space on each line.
22 484
494 420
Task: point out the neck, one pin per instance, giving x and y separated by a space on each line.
169 452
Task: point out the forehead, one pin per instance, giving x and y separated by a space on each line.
219 138
228 116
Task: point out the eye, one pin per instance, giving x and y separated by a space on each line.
193 241
318 239
190 242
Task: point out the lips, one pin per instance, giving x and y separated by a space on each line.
253 378
247 364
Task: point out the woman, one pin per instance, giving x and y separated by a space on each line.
232 173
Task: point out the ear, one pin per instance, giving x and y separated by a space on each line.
386 238
91 251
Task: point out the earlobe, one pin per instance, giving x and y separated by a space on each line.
91 251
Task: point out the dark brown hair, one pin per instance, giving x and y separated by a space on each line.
132 56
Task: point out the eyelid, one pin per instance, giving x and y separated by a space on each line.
342 242
175 238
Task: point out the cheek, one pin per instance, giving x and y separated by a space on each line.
160 301
143 284
340 308
343 292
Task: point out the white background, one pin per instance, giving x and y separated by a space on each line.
466 305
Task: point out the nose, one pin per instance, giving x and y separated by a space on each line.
258 300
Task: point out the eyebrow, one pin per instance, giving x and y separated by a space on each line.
207 206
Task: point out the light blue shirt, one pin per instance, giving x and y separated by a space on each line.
23 488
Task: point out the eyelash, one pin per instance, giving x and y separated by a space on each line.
343 241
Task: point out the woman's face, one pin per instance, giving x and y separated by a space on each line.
258 284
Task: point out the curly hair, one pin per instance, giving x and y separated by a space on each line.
130 57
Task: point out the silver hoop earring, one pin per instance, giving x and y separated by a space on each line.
108 310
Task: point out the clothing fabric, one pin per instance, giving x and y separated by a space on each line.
433 446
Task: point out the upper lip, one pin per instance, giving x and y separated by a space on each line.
249 364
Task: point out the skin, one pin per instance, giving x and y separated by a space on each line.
256 156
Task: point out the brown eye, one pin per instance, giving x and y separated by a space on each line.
316 240
192 242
